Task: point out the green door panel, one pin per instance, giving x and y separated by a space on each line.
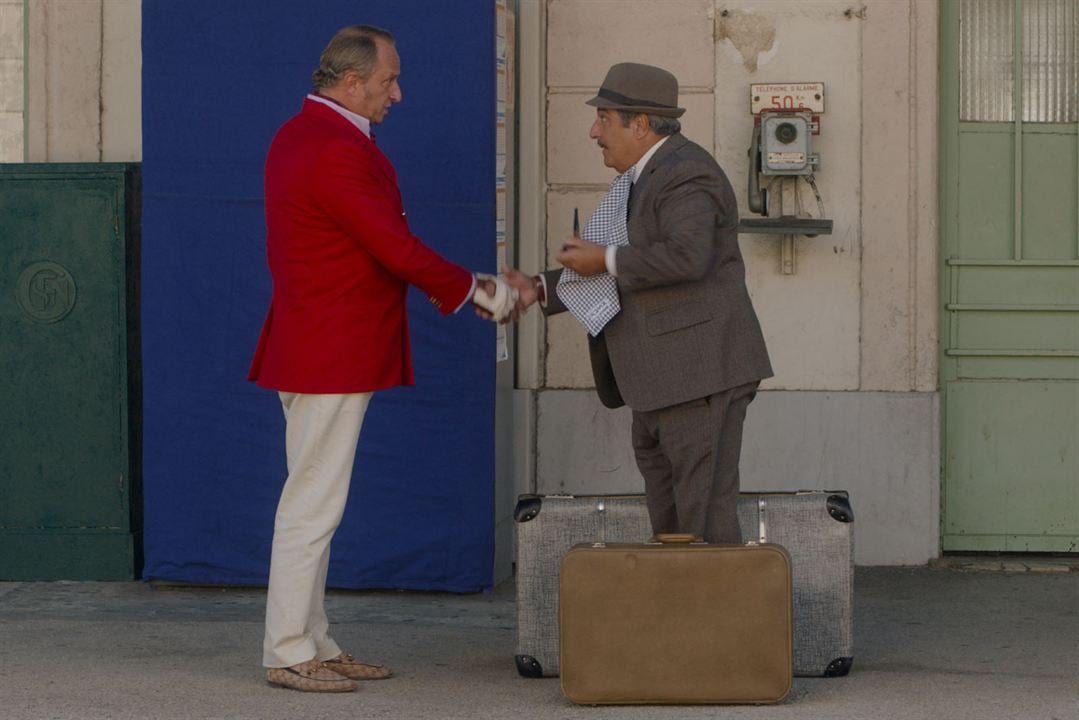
1013 368
1016 284
1049 198
1012 465
1020 330
985 195
68 483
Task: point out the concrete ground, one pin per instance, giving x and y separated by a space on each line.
943 643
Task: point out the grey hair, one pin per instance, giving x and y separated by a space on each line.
352 48
661 124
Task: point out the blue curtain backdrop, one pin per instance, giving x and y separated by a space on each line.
219 78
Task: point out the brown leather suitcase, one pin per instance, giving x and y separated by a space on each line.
675 623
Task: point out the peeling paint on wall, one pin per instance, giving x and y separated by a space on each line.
749 33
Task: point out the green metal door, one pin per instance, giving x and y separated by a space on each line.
1010 275
69 502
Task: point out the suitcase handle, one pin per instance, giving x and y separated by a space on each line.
675 538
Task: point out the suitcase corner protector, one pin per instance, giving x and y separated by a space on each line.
528 666
528 507
840 667
840 509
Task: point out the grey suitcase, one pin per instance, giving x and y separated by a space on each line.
815 527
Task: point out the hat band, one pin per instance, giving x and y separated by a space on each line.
627 100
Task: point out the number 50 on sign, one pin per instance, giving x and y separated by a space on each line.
788 97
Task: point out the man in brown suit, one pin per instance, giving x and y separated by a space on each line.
685 350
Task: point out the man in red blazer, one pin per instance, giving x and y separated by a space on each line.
341 256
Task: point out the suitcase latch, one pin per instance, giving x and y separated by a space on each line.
762 522
601 508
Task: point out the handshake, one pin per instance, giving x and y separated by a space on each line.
505 297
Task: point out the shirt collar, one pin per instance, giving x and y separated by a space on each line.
646 157
358 120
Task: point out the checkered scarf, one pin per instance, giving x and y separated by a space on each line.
594 299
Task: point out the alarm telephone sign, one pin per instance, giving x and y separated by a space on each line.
786 97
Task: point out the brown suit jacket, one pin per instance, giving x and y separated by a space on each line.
687 328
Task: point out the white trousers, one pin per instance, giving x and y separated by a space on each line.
321 432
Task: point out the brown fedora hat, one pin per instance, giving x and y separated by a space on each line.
639 88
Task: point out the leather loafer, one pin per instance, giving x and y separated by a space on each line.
348 666
309 677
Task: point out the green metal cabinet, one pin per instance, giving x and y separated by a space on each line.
70 502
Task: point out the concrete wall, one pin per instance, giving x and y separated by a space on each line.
852 332
12 96
880 447
85 71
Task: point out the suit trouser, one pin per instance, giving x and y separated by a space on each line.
321 432
688 455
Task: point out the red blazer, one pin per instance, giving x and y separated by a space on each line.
341 257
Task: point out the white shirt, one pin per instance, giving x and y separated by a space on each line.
365 127
647 156
358 120
612 250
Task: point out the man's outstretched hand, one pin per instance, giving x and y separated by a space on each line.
525 290
494 298
528 288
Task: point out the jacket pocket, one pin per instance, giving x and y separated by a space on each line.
676 317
